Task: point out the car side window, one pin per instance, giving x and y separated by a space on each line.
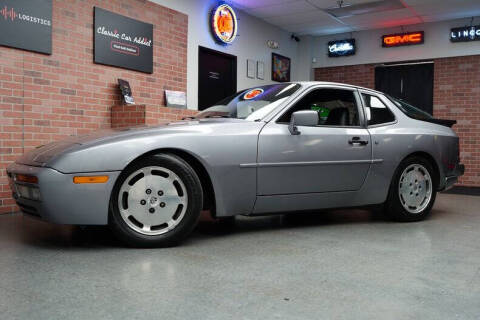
376 111
335 107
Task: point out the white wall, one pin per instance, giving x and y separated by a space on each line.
303 64
251 43
369 46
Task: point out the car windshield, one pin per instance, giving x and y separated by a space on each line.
251 104
410 110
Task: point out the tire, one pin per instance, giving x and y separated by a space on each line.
156 202
413 190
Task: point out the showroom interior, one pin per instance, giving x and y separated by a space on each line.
73 68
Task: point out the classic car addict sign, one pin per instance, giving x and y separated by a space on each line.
341 48
123 42
26 24
465 34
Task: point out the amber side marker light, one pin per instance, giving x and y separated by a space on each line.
26 178
90 179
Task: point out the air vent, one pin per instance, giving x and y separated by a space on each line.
345 10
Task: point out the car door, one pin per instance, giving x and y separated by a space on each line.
334 155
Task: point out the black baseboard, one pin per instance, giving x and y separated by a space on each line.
469 191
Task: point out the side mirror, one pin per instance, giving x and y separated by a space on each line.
302 118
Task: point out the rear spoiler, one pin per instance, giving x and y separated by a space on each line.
442 122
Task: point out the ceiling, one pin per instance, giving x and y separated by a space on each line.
308 17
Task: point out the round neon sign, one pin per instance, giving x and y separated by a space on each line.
224 24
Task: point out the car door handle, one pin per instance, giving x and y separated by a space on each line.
357 141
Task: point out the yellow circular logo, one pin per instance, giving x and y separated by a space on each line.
224 24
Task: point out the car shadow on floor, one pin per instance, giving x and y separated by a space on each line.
49 236
297 220
56 237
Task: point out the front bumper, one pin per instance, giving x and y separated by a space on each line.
62 201
452 179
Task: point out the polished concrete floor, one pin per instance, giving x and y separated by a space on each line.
348 264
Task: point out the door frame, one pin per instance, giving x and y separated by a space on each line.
278 113
407 63
219 53
273 121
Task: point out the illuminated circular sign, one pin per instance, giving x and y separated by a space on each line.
252 94
224 24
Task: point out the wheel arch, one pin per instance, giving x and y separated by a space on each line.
197 165
427 156
393 206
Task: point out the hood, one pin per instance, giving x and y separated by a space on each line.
42 154
115 134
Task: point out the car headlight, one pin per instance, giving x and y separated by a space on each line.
28 192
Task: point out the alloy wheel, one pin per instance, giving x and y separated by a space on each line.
152 200
415 188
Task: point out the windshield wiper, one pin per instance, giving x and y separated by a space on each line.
190 117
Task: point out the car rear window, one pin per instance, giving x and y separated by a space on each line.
377 111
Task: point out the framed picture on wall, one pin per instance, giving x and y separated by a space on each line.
280 68
260 70
250 68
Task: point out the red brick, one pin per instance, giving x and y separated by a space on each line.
68 91
32 73
42 82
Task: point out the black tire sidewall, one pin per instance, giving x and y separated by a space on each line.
394 207
188 222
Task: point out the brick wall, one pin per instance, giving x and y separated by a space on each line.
138 115
456 96
362 75
45 98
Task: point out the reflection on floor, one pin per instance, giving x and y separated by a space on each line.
348 264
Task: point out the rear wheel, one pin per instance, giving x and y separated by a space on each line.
413 190
156 202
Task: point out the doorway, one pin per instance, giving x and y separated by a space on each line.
217 76
411 82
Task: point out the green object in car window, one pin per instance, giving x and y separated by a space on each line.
322 111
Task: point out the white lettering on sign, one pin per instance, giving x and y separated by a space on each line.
109 33
114 34
143 41
28 18
339 47
465 34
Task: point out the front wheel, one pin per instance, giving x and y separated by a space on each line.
412 191
156 202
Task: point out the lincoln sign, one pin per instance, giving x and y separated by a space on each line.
465 34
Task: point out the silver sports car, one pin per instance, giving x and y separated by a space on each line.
270 149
